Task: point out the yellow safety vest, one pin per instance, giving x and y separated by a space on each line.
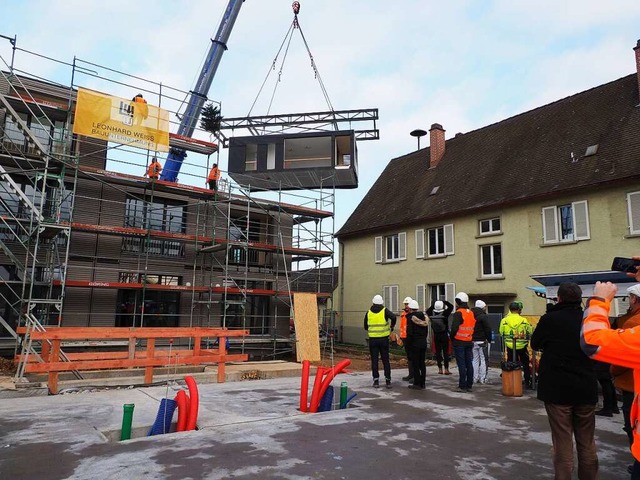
377 324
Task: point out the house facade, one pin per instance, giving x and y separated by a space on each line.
552 190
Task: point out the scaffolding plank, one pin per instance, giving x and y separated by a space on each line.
305 318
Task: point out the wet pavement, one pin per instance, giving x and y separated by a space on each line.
253 429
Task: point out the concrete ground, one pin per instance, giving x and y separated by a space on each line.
252 429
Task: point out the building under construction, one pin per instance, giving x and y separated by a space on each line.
87 240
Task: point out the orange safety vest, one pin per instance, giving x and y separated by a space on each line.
154 170
214 174
618 347
465 331
403 323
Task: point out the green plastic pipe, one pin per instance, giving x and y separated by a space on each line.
343 393
127 419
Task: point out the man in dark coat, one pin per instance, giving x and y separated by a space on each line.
567 384
417 328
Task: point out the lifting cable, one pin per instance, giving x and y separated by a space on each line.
295 25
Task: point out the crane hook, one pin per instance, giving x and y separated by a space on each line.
296 7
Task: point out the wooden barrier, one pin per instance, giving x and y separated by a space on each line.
51 339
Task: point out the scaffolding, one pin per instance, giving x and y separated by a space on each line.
87 241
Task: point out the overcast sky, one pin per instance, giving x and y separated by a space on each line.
463 64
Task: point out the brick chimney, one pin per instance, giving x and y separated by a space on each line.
637 50
436 139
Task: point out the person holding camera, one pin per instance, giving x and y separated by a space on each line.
619 347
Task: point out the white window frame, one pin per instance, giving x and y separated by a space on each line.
381 250
390 297
493 273
448 290
491 231
551 223
633 210
447 248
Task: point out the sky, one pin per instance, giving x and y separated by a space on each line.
462 64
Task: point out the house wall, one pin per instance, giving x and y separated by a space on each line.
523 254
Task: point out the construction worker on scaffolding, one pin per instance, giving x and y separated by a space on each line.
154 169
214 176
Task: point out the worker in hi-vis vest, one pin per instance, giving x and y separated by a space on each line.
463 322
617 347
379 322
214 176
403 336
154 169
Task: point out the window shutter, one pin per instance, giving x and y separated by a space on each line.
378 249
633 203
621 305
420 243
450 292
402 246
448 239
420 296
386 296
393 305
581 220
550 224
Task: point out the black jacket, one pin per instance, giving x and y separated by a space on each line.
482 330
566 375
442 317
388 314
416 334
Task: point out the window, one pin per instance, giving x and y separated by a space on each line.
441 291
490 226
390 297
308 152
440 241
391 248
49 133
491 260
565 223
633 207
251 157
159 215
241 254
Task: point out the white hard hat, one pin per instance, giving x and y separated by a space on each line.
377 300
438 306
463 297
634 289
407 299
480 304
413 305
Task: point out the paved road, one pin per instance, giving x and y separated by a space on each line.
252 429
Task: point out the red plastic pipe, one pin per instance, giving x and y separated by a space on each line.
304 385
316 387
182 399
313 408
194 401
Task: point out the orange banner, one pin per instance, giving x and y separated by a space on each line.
129 122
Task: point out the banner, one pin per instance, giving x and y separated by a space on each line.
130 122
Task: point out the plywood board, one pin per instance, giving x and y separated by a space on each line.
305 319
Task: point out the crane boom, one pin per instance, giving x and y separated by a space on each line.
198 95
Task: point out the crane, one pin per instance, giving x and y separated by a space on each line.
198 95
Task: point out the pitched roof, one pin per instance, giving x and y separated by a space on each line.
522 158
